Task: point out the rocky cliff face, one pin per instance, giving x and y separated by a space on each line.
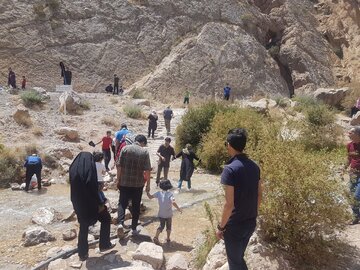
165 47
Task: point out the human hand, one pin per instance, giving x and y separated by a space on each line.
147 189
219 235
162 158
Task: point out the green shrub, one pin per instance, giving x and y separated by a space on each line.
31 98
137 94
85 105
210 238
10 167
195 123
212 152
133 111
281 102
305 102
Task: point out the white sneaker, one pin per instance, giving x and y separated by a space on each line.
135 232
120 232
188 189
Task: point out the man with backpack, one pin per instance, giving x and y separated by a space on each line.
33 166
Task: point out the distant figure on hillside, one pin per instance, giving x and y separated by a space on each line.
164 153
116 84
241 181
106 148
355 108
87 204
68 76
109 88
33 166
23 83
166 200
153 117
187 165
353 149
168 115
11 78
227 91
62 67
187 97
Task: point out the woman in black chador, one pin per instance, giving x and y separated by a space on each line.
187 165
87 204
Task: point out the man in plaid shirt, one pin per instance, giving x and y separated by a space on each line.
132 175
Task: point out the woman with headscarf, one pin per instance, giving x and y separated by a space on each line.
187 165
153 117
87 204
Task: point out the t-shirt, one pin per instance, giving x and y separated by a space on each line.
33 160
243 174
121 133
106 143
227 90
165 199
354 155
168 114
166 152
99 169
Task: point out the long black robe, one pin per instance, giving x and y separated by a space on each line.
187 165
84 188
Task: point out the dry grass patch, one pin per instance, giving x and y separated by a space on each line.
114 100
109 121
37 131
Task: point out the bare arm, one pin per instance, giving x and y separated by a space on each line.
149 195
147 180
177 207
228 206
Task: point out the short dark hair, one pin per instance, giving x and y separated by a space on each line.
237 138
123 125
168 139
141 139
98 156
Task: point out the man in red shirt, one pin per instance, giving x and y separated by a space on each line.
106 145
353 149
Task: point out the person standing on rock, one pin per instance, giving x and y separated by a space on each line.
353 149
68 76
241 181
133 173
33 166
187 97
116 84
106 145
84 189
168 115
12 79
164 153
227 91
187 165
153 117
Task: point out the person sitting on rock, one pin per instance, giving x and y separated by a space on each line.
166 200
109 88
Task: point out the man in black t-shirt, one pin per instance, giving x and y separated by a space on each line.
164 153
241 181
116 84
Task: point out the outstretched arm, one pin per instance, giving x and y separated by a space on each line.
177 207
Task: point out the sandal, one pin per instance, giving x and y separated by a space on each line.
156 241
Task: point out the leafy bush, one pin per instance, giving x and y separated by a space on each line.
37 131
305 102
10 167
195 123
210 238
85 105
31 98
133 111
281 102
213 153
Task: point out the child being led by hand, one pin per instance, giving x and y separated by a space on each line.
166 200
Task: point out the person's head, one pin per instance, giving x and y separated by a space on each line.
123 125
188 146
141 139
108 133
168 107
167 141
115 75
110 84
153 112
98 156
354 134
10 69
23 77
165 185
236 141
67 68
227 84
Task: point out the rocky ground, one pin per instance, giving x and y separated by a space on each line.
17 208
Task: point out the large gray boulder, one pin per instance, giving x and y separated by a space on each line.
177 262
67 133
71 101
22 116
217 257
45 215
36 235
150 253
331 96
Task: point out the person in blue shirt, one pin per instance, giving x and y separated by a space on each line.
241 181
33 166
227 90
119 135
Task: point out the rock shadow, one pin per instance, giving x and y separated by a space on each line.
109 260
174 246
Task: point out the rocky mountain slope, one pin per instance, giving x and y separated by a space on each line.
166 47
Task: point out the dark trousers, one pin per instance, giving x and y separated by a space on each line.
116 89
354 110
166 172
226 97
186 100
107 158
113 150
83 246
32 169
236 239
151 131
126 194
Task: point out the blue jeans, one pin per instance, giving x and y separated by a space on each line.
188 184
355 191
236 239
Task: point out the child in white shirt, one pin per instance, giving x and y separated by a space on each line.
166 200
